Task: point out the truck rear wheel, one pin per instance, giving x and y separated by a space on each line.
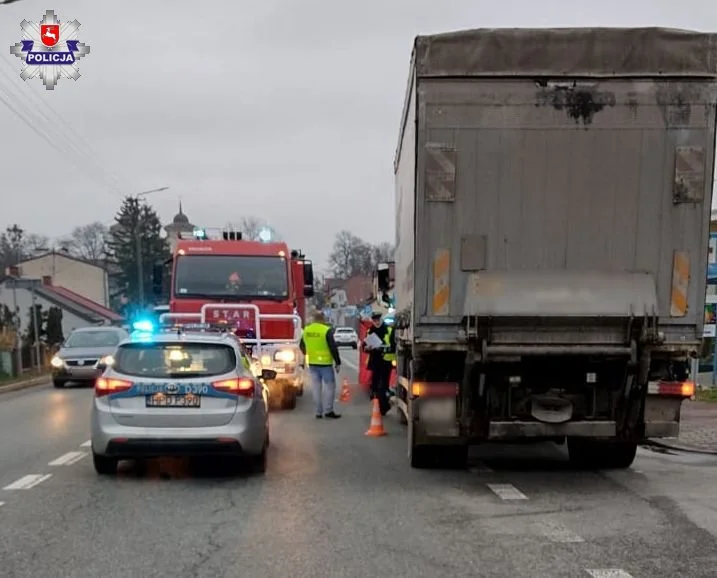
600 454
429 456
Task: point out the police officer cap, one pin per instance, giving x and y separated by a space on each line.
376 316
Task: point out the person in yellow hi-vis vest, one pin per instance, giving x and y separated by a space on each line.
317 342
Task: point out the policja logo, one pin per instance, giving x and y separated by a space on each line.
50 50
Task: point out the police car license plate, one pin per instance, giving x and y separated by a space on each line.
164 400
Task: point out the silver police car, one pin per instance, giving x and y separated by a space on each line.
180 393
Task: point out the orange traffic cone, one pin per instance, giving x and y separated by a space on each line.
345 396
376 429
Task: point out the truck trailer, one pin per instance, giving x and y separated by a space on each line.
553 194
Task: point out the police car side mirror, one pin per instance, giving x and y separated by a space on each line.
268 374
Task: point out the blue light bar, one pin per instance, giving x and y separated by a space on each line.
143 325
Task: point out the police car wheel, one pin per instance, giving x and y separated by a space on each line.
259 463
104 466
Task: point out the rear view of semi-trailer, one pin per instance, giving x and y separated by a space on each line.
553 192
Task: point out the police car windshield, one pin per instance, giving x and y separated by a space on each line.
175 360
237 276
93 339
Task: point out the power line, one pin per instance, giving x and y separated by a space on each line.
26 113
85 149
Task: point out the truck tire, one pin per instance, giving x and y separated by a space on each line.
450 457
593 454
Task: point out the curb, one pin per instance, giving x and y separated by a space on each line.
25 384
680 448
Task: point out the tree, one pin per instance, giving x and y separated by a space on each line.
53 326
320 297
351 255
345 254
30 338
136 218
12 246
88 242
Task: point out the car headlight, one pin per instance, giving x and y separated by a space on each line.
107 360
57 362
266 360
285 355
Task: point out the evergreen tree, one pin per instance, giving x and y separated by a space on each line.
136 219
30 338
53 326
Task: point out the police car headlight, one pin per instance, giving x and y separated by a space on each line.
285 355
57 362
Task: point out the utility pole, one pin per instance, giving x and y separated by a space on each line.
17 324
35 328
138 243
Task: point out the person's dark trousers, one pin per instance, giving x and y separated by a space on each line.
380 378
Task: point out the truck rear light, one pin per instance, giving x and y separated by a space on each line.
674 388
434 389
238 386
107 386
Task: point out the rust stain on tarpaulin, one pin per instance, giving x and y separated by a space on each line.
581 103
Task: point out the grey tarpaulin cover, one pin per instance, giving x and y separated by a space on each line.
640 52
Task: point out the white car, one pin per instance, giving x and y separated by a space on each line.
346 336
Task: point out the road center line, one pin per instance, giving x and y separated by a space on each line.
87 444
609 573
66 459
27 482
507 492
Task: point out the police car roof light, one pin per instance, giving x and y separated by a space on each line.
144 325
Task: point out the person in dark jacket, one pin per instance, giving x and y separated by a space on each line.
380 361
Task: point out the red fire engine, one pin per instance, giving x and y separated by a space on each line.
257 287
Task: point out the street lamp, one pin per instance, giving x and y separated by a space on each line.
138 243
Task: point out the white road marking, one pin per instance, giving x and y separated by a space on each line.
2 503
351 364
27 482
559 534
76 458
87 444
507 492
609 573
68 459
480 468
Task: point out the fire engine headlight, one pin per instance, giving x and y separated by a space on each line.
285 355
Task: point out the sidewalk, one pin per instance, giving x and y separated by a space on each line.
698 428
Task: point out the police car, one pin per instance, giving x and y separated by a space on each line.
179 392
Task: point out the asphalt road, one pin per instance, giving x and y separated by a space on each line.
335 503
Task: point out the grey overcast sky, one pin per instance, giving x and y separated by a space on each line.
282 109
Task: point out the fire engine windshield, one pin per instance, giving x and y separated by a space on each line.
231 276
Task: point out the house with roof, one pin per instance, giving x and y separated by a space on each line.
77 310
81 277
